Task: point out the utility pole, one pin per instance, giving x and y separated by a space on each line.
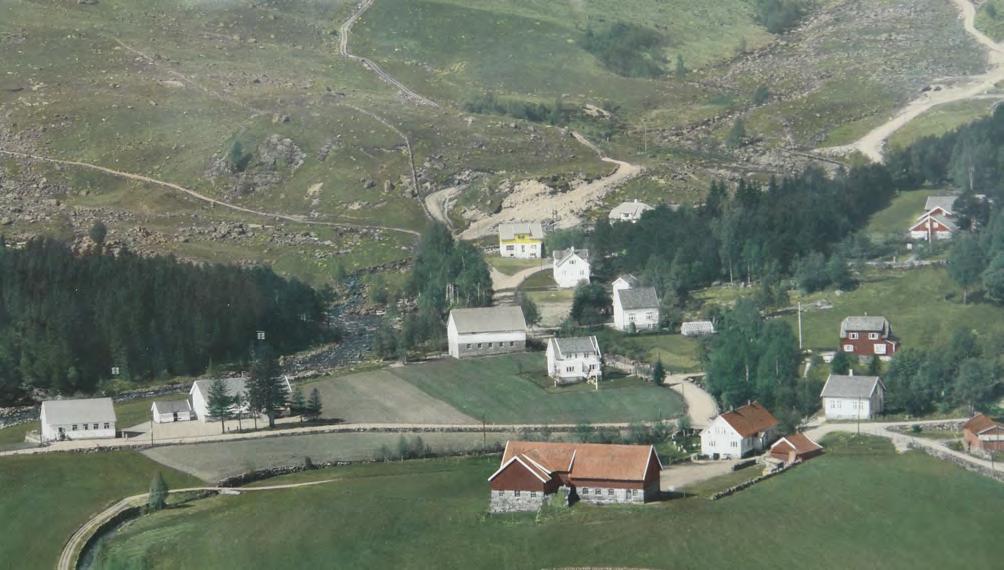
800 325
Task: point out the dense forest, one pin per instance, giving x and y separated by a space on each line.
66 321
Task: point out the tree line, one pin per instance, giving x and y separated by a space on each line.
68 322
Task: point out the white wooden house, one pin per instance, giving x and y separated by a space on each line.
169 411
739 432
522 240
574 359
636 308
571 267
92 418
486 330
199 396
853 397
629 211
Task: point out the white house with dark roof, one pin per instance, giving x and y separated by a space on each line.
571 267
574 359
92 418
486 330
629 211
523 240
853 397
199 396
635 307
169 411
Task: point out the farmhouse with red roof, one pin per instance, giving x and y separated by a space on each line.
737 433
532 471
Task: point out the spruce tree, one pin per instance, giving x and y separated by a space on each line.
314 406
218 402
157 498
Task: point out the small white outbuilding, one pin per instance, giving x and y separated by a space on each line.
169 411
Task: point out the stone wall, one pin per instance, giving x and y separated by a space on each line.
515 501
496 348
605 497
946 455
951 426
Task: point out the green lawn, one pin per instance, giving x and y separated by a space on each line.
539 280
44 498
515 388
940 120
677 353
924 307
860 505
901 213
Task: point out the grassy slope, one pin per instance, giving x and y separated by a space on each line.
46 497
901 213
939 121
991 26
923 305
859 506
513 389
512 266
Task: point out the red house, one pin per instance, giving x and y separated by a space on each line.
867 336
533 471
983 434
795 448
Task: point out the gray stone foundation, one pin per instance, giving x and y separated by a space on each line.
516 501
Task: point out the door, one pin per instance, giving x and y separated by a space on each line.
174 417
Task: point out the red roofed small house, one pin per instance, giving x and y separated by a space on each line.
597 473
740 432
983 434
795 448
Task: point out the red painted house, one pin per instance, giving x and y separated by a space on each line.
533 471
983 434
867 336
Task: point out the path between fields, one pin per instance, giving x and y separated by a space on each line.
343 47
192 193
537 203
74 546
975 87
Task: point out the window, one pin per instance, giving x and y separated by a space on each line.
735 444
479 345
512 343
468 345
533 494
74 428
569 369
490 344
108 425
880 348
610 492
85 427
853 336
510 248
631 317
516 493
873 336
848 348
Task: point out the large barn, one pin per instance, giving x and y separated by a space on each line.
533 471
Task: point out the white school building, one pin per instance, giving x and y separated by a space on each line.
92 418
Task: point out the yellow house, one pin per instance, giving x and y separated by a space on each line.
524 240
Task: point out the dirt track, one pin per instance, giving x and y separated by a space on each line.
974 87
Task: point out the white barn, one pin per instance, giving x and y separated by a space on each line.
93 418
574 359
199 396
571 267
853 397
169 411
635 307
737 433
629 211
486 330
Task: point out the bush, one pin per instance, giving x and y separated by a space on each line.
779 16
627 49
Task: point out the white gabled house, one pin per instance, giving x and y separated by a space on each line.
737 433
199 396
92 418
486 330
574 359
635 308
571 267
629 211
522 240
169 411
853 397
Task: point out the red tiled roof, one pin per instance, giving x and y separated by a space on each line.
750 419
979 423
584 460
797 442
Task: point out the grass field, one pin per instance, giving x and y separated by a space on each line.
940 120
901 213
515 389
45 498
214 461
855 507
678 353
381 396
990 19
923 305
512 266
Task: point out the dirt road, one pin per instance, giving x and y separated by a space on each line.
343 47
701 406
503 282
535 203
438 204
974 87
202 197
